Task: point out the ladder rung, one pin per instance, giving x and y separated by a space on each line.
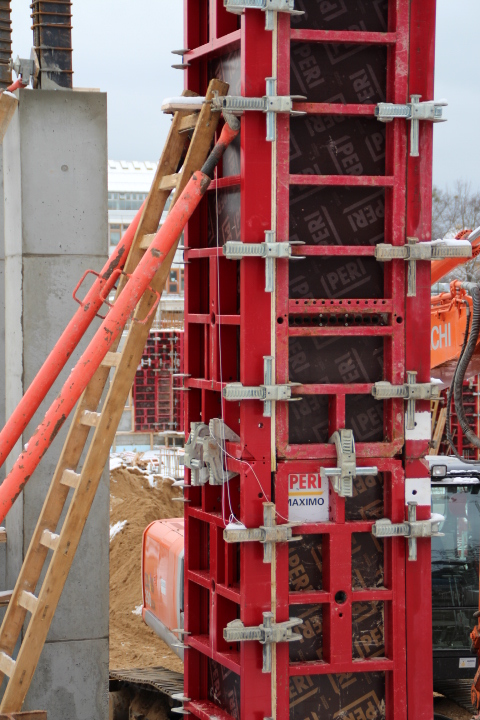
5 597
111 359
7 665
49 539
28 601
90 418
169 182
188 123
70 478
146 241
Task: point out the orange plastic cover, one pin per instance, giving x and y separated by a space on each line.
163 542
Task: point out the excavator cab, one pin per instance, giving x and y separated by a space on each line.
455 564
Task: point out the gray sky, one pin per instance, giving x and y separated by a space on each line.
124 49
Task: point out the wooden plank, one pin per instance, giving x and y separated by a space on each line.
104 434
8 105
7 665
438 434
28 601
90 418
147 241
111 359
170 182
34 715
434 410
48 540
3 535
188 123
5 597
70 478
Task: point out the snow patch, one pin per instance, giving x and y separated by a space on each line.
116 528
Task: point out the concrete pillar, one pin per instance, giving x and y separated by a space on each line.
55 184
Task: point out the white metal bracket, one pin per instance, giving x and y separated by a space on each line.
205 452
429 251
413 111
410 391
268 534
270 104
342 476
267 634
266 393
411 529
270 250
268 7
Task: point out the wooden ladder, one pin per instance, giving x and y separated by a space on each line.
62 542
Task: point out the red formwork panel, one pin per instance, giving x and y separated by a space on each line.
158 386
340 182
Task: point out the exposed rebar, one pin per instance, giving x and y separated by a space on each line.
52 39
5 43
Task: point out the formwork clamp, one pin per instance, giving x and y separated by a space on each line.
410 391
270 104
267 634
429 251
268 534
343 475
268 6
205 452
411 529
414 111
270 250
266 393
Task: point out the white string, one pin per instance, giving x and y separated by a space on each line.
232 518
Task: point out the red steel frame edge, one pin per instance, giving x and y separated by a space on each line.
419 214
254 429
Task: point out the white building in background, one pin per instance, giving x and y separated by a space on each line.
128 186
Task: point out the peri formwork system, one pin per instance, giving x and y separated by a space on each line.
334 322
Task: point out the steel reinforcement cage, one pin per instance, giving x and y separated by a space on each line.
337 321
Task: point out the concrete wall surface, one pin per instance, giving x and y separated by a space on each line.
55 186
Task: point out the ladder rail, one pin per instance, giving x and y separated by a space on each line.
97 454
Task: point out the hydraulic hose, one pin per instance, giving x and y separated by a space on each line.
468 348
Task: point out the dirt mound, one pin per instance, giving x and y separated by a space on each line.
132 643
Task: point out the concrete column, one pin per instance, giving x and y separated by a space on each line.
55 184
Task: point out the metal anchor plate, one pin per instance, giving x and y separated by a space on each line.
414 111
266 634
342 476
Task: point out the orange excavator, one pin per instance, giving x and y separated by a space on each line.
449 309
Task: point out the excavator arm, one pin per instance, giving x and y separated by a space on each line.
440 268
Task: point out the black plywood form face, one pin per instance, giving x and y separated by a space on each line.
224 688
335 360
366 15
228 68
308 420
367 500
223 217
364 415
335 277
336 145
368 630
309 647
337 216
338 73
346 696
367 561
305 564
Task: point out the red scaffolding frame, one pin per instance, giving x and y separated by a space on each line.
338 321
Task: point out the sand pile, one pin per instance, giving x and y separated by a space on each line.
134 503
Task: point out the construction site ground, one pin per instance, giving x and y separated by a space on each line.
137 497
134 503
